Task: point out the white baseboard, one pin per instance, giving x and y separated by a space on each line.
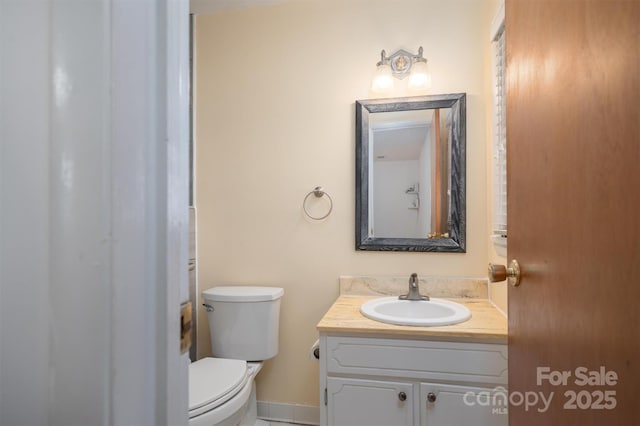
289 413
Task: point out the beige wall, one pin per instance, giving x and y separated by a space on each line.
275 91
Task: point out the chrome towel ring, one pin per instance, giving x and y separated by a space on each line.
318 192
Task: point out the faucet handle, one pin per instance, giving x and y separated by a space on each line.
413 279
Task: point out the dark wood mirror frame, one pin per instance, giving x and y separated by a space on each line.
455 241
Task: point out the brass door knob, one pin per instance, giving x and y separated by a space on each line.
499 273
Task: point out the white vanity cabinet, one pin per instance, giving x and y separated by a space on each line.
389 381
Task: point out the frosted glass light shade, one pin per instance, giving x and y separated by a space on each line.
382 79
420 77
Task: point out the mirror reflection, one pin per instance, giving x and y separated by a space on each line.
410 193
409 166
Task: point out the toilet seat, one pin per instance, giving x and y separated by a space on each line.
214 381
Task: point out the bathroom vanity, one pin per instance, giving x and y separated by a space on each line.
372 373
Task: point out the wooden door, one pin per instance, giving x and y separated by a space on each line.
573 130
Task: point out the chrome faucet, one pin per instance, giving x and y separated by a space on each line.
414 290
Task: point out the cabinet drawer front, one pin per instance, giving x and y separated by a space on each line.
416 359
355 402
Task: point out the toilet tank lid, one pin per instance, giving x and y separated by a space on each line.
242 294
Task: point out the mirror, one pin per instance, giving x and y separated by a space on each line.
410 173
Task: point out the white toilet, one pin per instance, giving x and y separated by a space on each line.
244 325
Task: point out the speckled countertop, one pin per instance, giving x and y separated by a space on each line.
486 324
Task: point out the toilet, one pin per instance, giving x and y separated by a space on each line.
244 325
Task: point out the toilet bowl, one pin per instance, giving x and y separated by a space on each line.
244 323
221 392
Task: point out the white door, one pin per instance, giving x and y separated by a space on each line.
449 405
355 402
93 211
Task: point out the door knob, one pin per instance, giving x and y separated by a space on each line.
499 273
431 397
402 396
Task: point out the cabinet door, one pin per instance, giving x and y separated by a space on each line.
354 402
449 405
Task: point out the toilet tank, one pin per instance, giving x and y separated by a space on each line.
244 321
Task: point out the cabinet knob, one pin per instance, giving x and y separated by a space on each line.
431 397
402 396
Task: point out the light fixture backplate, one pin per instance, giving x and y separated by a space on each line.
401 62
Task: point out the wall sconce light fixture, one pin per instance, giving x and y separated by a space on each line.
400 65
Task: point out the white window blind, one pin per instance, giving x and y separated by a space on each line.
500 137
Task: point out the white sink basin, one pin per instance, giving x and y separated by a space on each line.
434 312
